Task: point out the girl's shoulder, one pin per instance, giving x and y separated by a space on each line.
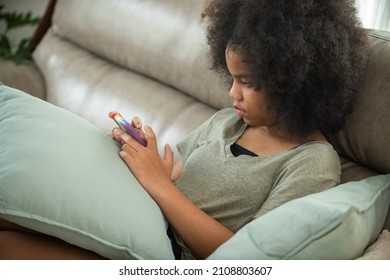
316 157
318 149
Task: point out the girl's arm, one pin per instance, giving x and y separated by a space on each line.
200 232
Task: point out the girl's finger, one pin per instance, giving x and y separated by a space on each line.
151 136
136 122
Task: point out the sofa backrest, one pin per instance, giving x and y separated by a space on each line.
164 41
365 138
160 39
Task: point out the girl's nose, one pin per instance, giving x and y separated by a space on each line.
235 92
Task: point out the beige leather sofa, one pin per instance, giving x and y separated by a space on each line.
149 58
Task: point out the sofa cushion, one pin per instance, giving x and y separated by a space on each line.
62 176
160 39
338 223
90 86
365 137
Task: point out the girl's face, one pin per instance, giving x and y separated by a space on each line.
248 102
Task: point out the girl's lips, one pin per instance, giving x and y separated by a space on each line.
238 111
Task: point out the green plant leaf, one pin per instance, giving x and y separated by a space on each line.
22 52
15 19
5 47
23 49
1 12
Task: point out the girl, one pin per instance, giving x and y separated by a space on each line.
293 68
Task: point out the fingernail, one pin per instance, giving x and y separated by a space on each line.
116 131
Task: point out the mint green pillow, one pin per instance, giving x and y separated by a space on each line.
338 223
62 176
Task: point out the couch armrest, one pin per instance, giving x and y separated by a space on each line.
387 222
25 76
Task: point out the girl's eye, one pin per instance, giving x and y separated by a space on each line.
246 83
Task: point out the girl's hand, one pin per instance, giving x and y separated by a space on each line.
137 124
145 163
200 232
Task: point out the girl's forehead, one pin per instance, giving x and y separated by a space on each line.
232 48
233 53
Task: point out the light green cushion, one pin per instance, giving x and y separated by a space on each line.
62 176
335 224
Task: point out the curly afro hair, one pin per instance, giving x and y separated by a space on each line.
308 55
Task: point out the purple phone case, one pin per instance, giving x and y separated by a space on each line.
122 123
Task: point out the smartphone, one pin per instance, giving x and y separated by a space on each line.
123 124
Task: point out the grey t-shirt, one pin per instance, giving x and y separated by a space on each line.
235 190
